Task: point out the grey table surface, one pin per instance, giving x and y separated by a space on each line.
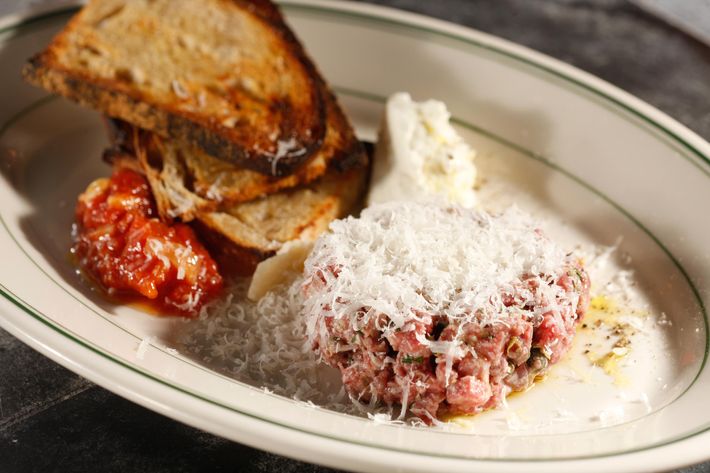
53 420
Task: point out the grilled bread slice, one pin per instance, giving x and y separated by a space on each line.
215 179
241 235
217 182
224 76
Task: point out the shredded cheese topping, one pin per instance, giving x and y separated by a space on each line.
410 261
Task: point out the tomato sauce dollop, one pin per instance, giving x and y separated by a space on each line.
120 241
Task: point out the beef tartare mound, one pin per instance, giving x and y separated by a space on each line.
440 310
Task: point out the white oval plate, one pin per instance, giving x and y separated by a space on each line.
604 163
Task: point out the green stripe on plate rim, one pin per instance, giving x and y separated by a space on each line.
359 94
366 96
6 293
601 98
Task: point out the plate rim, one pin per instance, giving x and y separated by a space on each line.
613 93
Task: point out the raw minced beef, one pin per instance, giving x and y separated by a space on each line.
440 310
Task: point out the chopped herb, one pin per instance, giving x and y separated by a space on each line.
576 277
408 359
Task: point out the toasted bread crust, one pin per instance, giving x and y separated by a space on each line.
241 235
284 133
264 8
346 150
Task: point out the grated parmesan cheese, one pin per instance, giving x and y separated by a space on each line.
430 306
413 260
263 344
143 347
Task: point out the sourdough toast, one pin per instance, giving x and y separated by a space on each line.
217 182
215 179
227 77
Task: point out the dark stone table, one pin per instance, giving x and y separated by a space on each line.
53 420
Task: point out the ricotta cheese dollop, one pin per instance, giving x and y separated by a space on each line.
420 156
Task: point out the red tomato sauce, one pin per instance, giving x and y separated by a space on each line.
121 243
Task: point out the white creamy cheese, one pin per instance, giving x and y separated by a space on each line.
419 155
284 265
